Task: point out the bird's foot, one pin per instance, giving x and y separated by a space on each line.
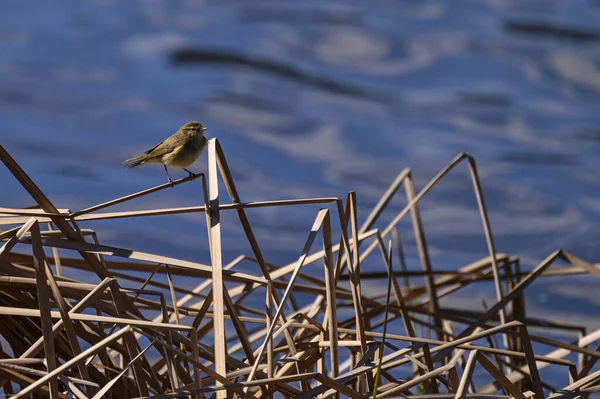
190 174
171 183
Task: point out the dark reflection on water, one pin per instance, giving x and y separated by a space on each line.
315 99
590 134
182 57
536 28
75 171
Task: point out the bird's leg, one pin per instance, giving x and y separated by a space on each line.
169 177
190 173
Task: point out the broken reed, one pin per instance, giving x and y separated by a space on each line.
66 338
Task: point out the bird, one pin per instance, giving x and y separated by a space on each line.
178 151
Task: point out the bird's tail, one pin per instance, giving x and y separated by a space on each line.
133 162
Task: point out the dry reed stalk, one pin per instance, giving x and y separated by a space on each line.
62 337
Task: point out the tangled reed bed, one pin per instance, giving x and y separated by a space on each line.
66 338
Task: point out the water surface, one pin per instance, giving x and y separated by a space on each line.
316 99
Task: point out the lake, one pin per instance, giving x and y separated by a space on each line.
314 99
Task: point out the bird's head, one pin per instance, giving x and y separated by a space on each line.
193 128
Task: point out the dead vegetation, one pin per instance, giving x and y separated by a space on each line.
61 337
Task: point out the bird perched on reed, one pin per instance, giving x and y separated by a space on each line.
178 151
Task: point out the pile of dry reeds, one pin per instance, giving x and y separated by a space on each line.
66 338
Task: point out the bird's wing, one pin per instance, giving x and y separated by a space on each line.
153 148
162 148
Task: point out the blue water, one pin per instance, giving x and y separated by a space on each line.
316 99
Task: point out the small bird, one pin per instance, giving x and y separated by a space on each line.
177 152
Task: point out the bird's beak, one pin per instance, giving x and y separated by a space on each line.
203 128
